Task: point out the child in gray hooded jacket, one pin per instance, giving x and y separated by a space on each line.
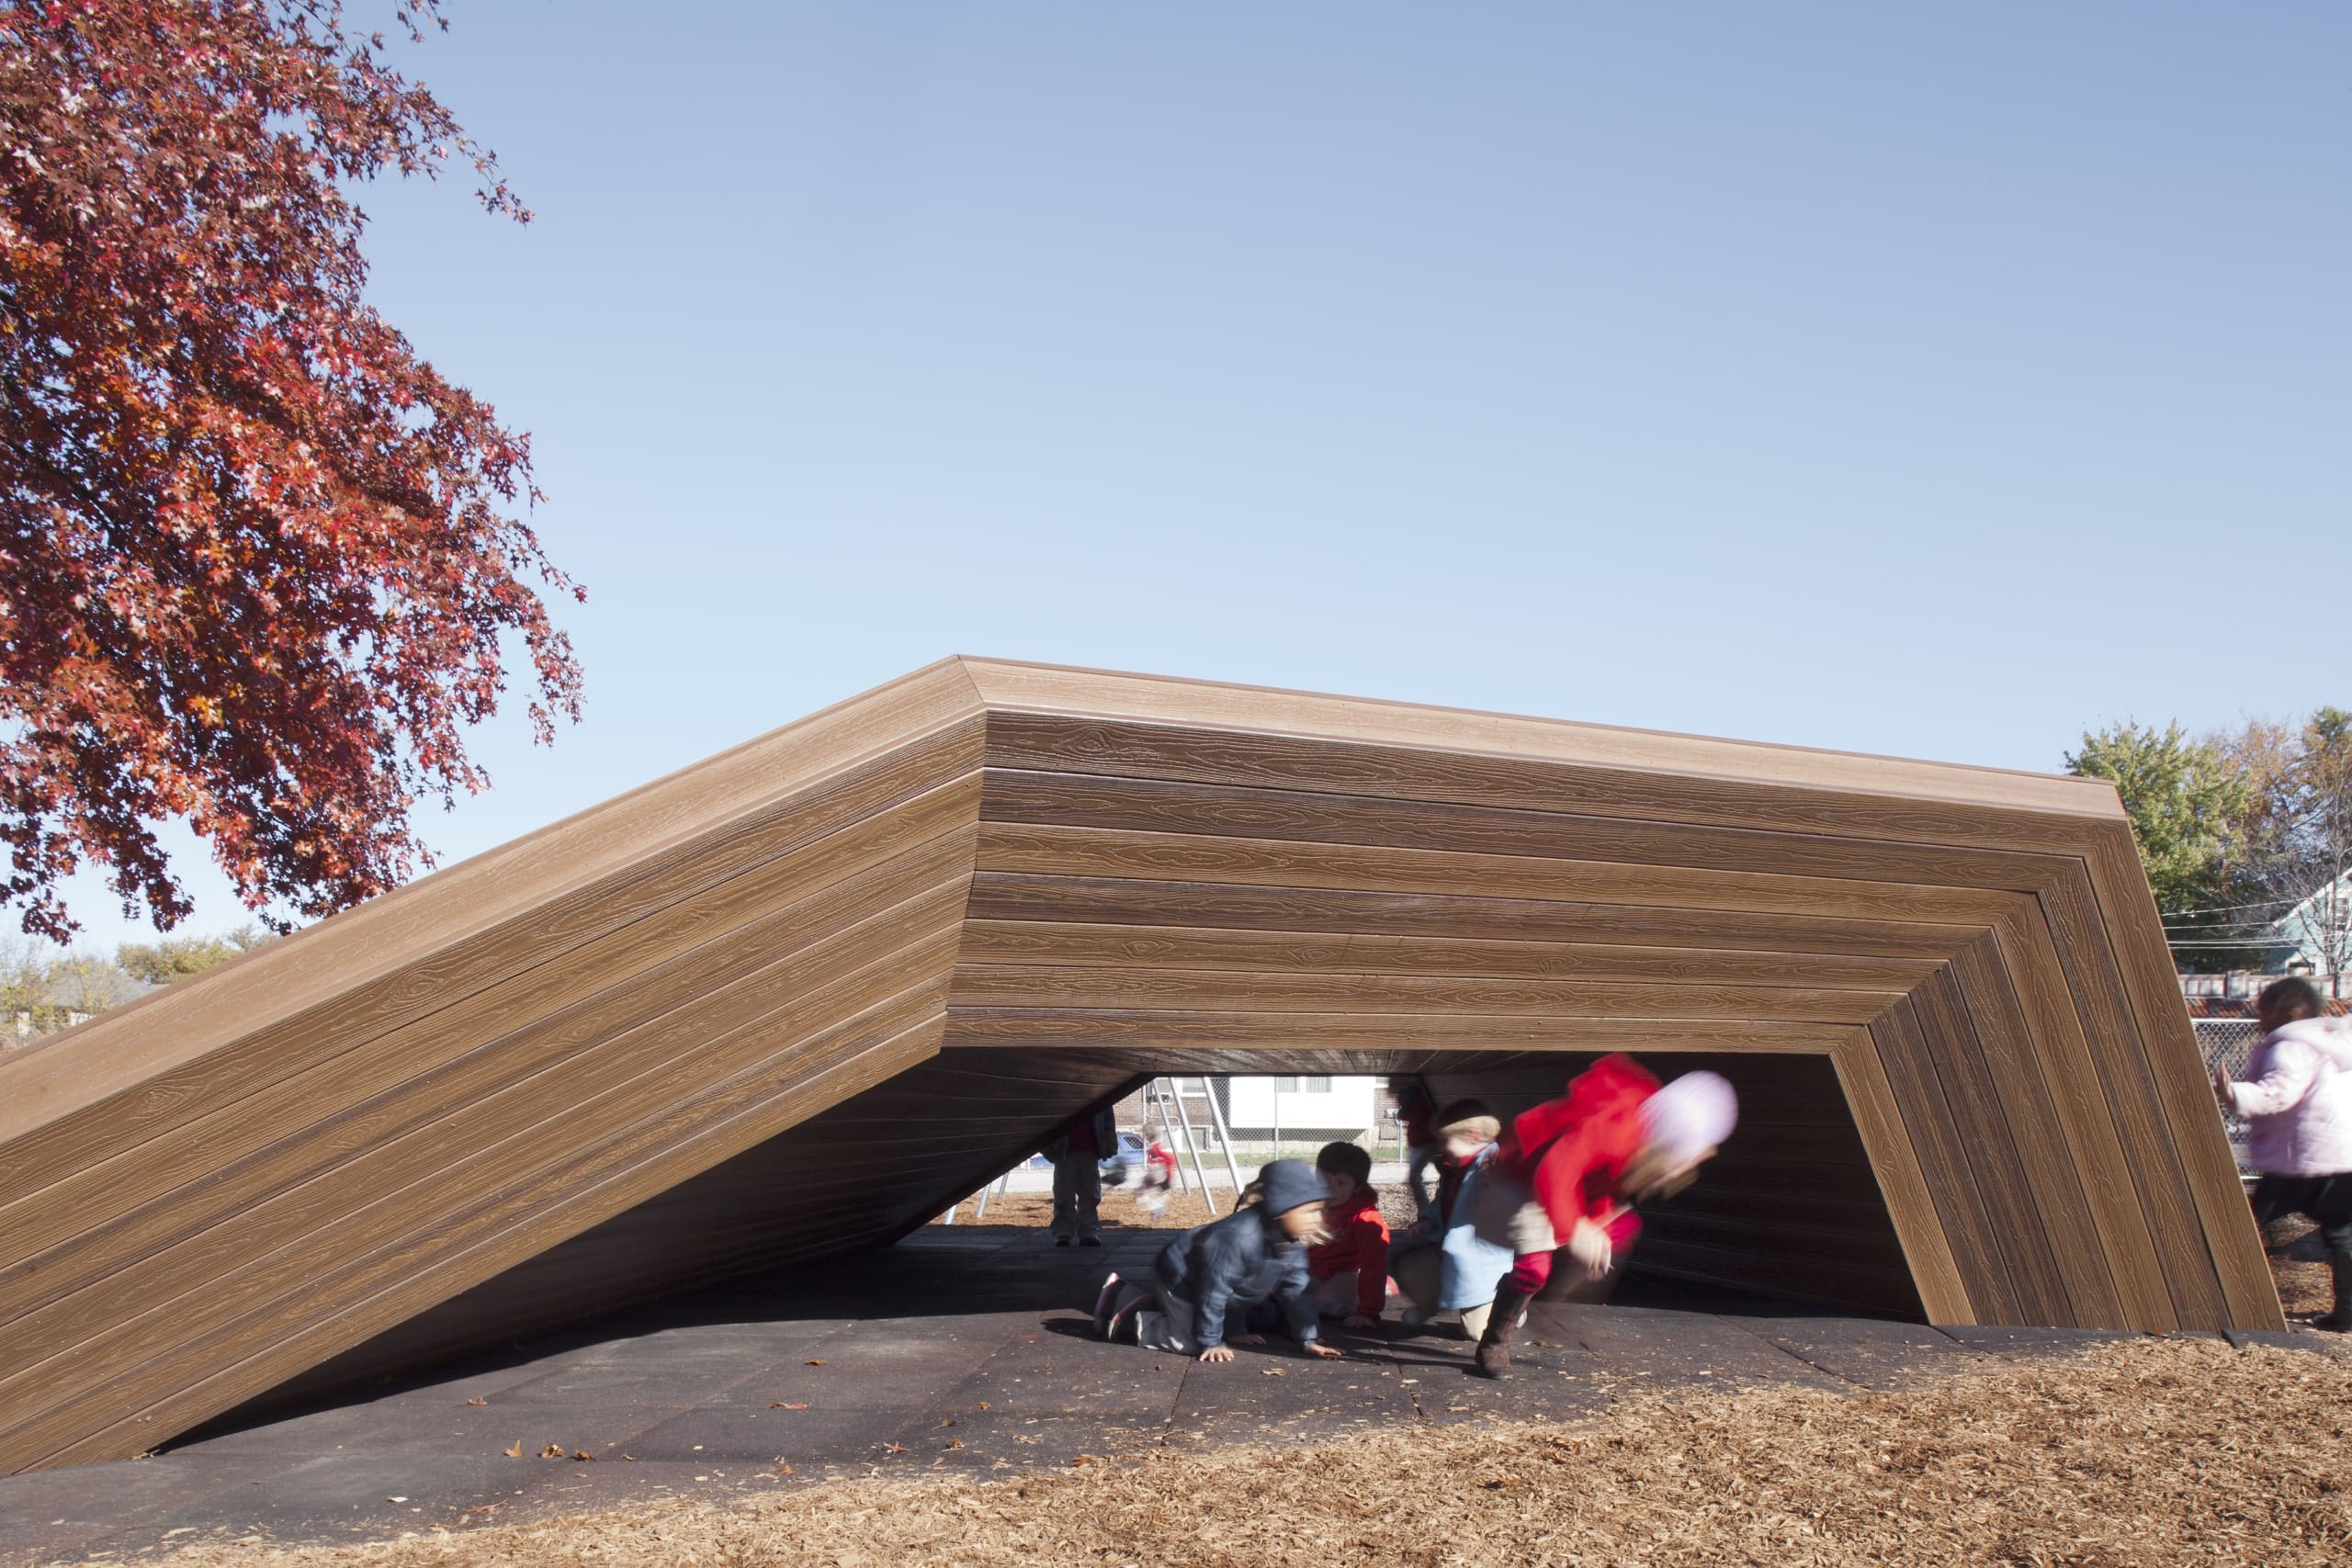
1204 1283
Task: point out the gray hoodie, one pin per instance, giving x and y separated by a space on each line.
1230 1265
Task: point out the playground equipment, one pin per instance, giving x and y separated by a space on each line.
799 998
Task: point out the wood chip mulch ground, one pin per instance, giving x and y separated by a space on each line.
2136 1454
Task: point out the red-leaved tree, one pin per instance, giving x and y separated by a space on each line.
257 558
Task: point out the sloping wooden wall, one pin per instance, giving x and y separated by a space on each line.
208 1192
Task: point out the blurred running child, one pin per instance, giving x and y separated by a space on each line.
1350 1268
2297 1104
1228 1277
1616 1139
1159 1174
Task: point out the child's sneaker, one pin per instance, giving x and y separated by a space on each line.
1105 1301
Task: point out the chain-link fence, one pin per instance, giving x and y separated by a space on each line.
2227 1042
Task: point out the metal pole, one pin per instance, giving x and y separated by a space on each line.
1000 1184
1224 1136
1278 1116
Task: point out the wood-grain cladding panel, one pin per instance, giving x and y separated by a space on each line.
637 1049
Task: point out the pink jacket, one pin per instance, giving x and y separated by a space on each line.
2298 1100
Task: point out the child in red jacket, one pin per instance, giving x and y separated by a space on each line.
1159 1174
1351 1270
1615 1139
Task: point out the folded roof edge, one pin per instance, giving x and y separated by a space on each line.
182 1022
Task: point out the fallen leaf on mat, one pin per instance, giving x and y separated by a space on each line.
515 1451
796 1404
553 1451
582 1455
892 1448
1272 1372
784 1469
477 1401
954 1442
815 1362
1084 1459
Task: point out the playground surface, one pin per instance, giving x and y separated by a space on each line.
810 1392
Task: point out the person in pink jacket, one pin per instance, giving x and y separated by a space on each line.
2297 1103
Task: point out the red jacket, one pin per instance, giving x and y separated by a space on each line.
1359 1241
1571 1152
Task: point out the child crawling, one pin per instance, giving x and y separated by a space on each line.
1230 1276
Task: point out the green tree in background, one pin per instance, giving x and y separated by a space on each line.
176 957
43 990
2184 800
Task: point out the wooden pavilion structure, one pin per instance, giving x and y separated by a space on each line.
801 997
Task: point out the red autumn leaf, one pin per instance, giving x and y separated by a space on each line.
257 557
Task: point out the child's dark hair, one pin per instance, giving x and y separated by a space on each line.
1345 1159
2284 1001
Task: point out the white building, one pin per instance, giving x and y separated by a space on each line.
1304 1108
2320 928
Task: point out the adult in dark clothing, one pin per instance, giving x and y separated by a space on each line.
1414 1107
1206 1281
1078 1155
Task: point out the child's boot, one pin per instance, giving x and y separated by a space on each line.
1503 1322
2339 1265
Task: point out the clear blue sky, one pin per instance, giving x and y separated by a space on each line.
1925 380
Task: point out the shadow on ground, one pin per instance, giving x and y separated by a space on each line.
962 1349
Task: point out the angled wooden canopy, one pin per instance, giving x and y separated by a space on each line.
802 995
